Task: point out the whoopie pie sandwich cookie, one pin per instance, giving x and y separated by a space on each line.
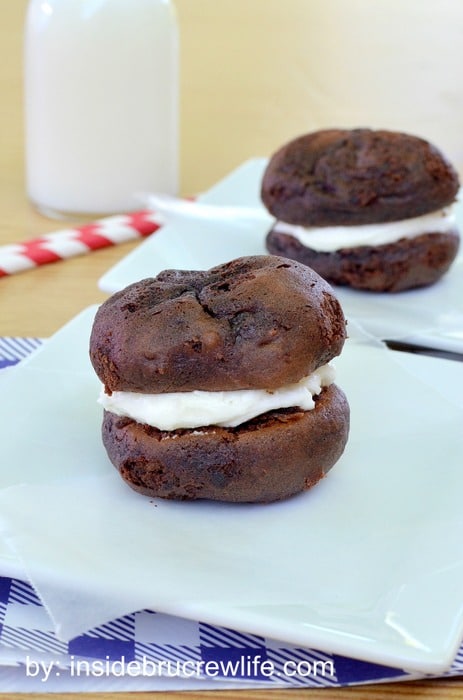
366 209
216 384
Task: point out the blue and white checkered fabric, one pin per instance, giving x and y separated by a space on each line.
150 643
164 644
13 350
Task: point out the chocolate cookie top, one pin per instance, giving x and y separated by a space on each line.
255 322
359 176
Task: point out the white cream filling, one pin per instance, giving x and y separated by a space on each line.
327 239
195 409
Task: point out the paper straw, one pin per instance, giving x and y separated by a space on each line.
69 243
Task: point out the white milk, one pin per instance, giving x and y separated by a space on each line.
101 103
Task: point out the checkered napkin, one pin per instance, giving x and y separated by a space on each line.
147 650
156 644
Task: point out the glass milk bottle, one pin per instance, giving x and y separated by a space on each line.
101 104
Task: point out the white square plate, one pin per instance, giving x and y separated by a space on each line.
433 316
368 564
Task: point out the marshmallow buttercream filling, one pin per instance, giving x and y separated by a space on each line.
327 239
195 409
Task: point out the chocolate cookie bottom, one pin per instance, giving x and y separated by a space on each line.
267 459
407 264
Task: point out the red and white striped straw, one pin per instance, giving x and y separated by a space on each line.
69 243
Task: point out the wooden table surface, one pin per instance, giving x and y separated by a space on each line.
232 97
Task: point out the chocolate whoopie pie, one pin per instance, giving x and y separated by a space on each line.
366 209
216 384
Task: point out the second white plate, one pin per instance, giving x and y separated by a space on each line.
432 316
